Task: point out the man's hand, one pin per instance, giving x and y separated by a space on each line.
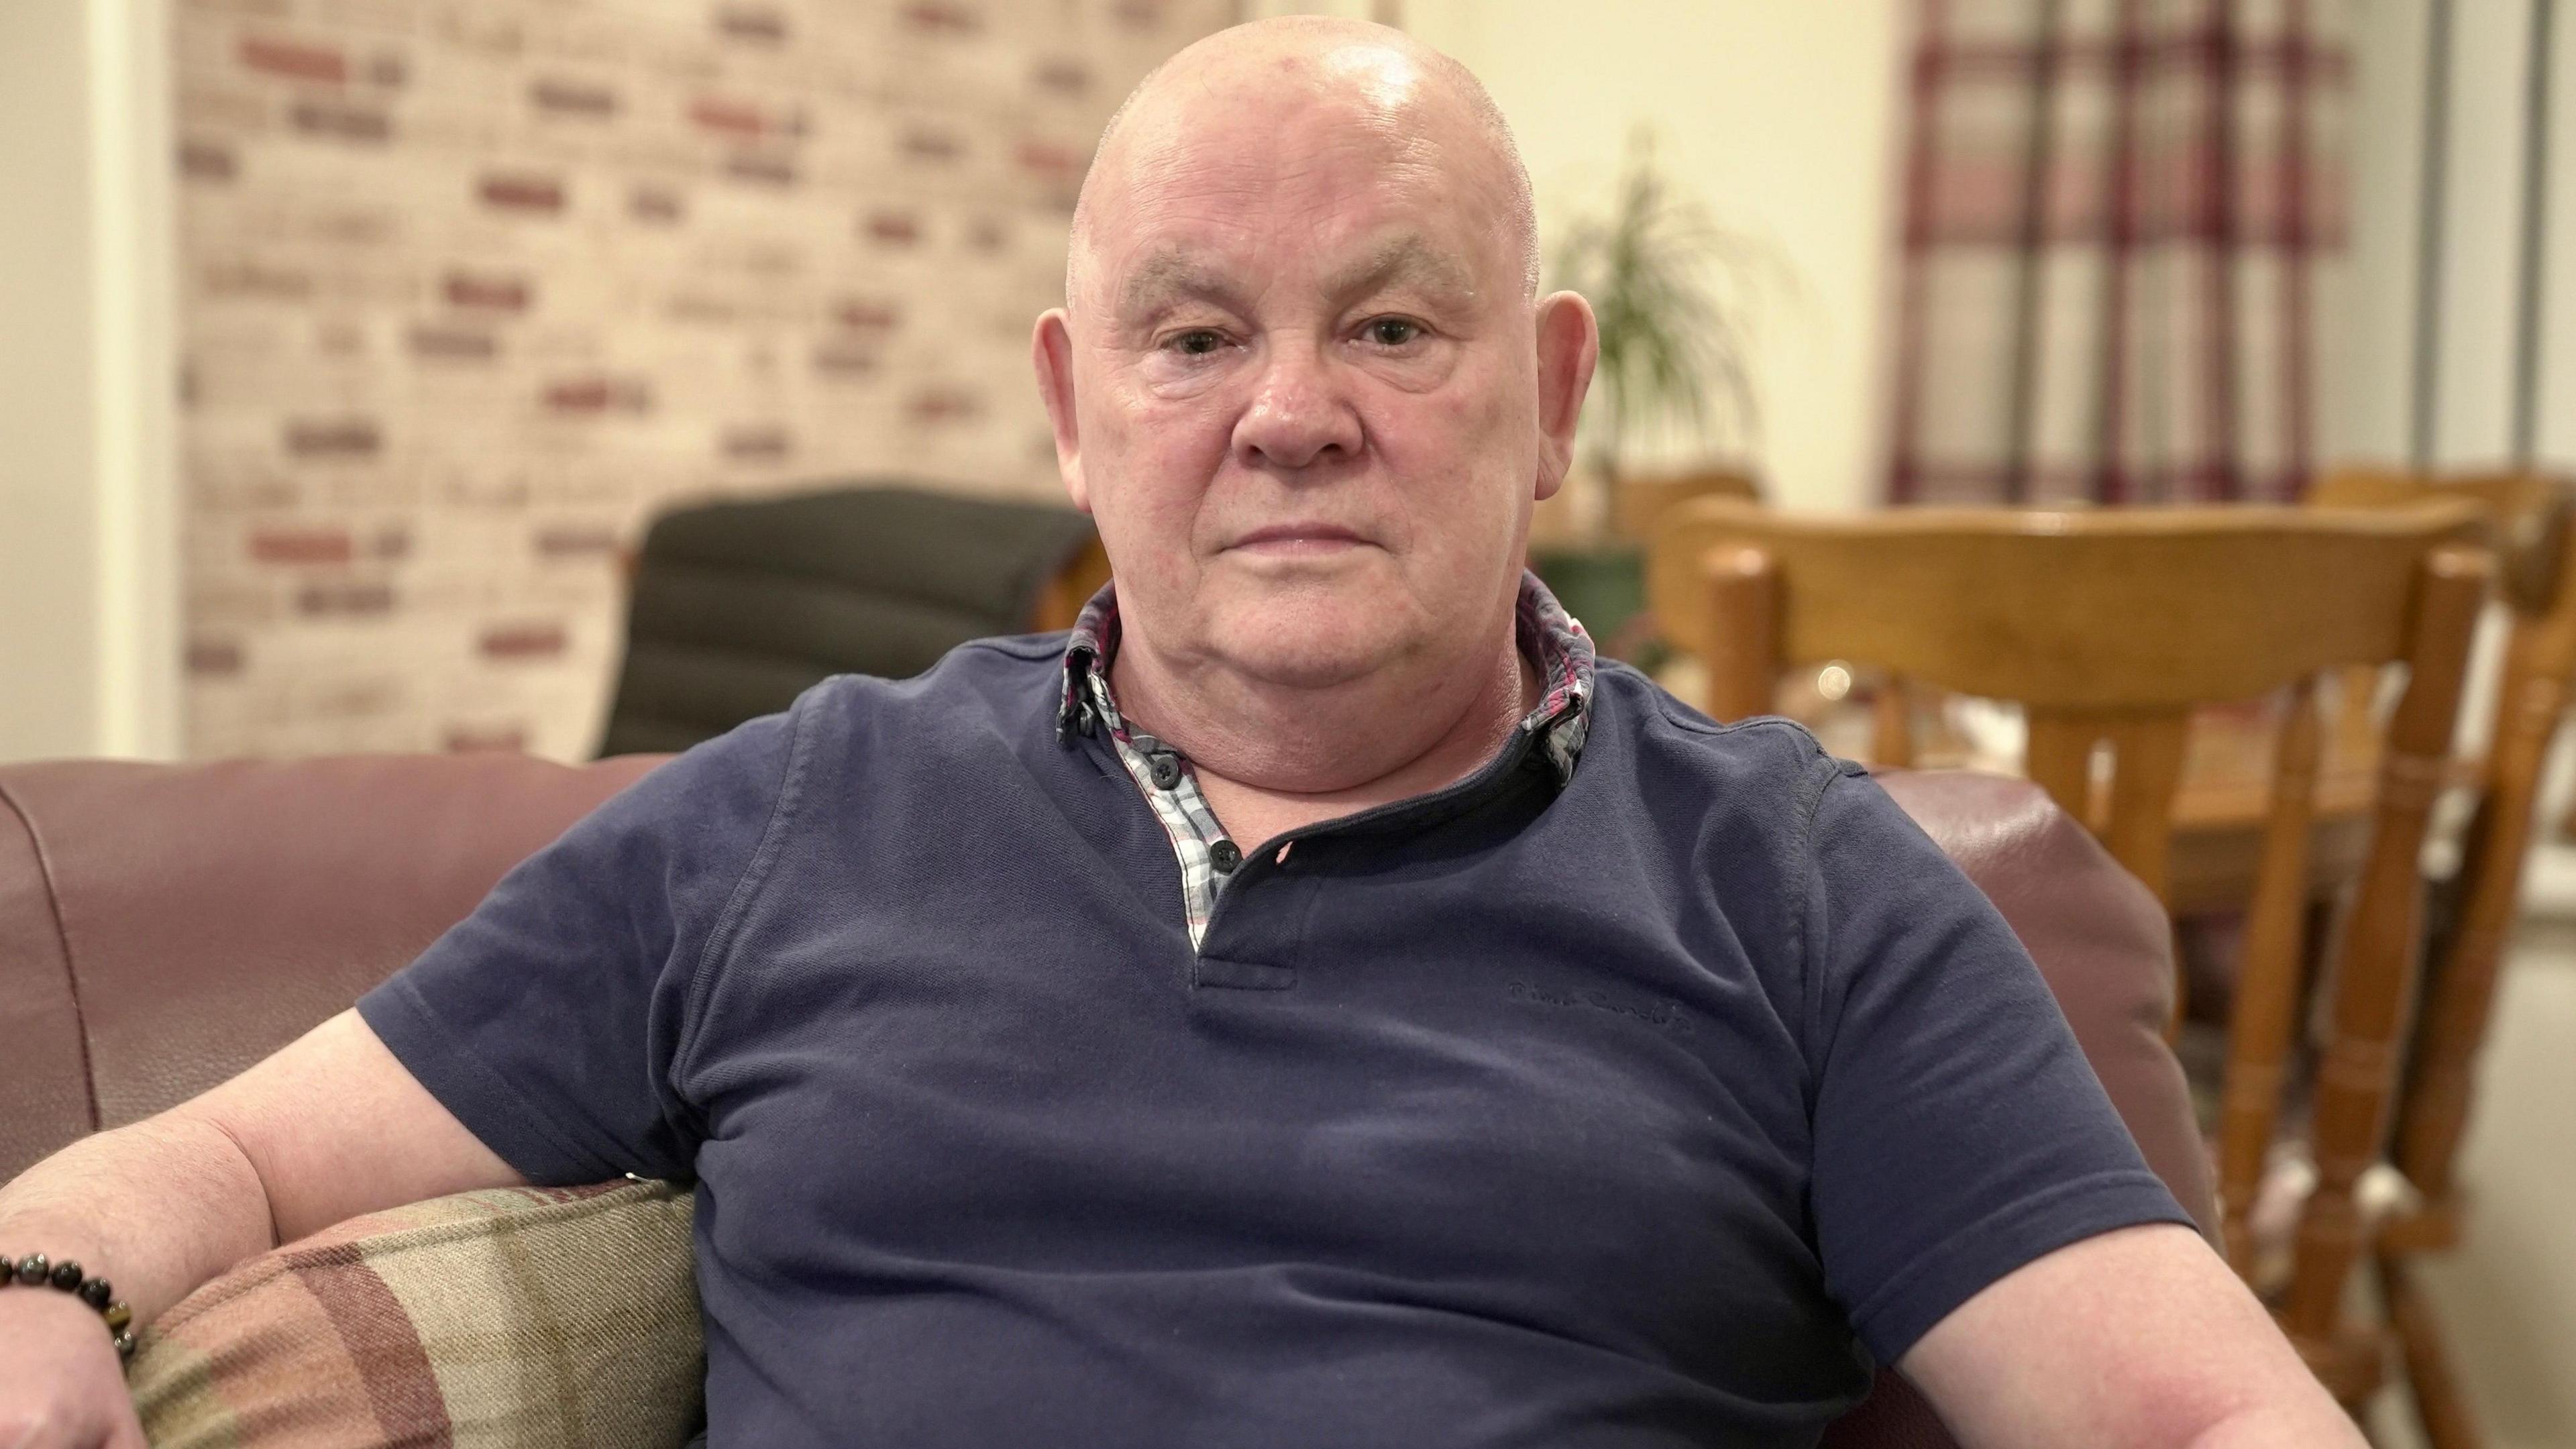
2137 1339
64 1387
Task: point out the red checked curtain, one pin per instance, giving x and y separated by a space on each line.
2114 214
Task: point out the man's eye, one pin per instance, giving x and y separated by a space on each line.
1197 342
1393 331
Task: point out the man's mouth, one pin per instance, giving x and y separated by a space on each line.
1298 540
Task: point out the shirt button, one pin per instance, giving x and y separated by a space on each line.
1225 855
1164 769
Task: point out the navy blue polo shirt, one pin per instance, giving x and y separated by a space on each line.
1641 1105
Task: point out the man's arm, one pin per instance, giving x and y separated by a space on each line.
328 1128
2136 1339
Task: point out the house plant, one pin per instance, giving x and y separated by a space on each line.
1674 294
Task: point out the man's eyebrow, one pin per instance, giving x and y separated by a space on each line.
1167 277
1406 258
1170 276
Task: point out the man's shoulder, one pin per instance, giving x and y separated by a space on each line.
1668 744
1015 679
983 693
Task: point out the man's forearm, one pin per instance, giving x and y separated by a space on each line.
329 1127
158 1208
2305 1423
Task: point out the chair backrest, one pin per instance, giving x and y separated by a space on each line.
2109 628
740 606
1638 503
2532 519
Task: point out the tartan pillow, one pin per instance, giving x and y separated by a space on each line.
516 1316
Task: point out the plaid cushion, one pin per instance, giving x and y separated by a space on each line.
520 1316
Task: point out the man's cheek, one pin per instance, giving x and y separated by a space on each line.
1425 373
1195 424
1167 381
1459 434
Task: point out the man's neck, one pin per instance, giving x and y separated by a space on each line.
1272 759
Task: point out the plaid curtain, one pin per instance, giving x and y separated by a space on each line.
2114 211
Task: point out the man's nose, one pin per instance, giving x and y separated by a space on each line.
1300 416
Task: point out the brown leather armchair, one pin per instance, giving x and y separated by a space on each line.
164 926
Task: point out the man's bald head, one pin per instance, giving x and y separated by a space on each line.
1387 79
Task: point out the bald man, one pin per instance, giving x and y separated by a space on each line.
1312 1003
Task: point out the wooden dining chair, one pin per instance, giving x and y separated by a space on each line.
2109 628
2532 523
1639 501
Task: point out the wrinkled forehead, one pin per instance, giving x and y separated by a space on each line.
1238 272
1293 187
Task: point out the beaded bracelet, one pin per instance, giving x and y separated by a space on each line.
33 1271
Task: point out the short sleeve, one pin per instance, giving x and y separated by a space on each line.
1959 1133
548 1020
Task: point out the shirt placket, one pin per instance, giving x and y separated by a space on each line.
1208 859
1206 855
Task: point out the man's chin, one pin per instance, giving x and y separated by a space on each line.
1309 638
1287 669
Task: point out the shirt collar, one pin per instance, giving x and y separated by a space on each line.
1551 639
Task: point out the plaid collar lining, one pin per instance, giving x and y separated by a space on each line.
1549 637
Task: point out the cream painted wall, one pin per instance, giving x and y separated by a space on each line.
1781 118
89 650
48 572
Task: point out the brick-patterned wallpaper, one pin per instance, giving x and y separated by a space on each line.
470 288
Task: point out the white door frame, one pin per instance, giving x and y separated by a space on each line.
90 589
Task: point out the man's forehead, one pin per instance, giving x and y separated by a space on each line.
1309 129
1176 269
1346 205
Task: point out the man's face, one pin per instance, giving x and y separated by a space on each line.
1304 387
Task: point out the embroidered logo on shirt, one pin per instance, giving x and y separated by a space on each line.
1663 1015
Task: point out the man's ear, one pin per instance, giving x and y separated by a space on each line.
1569 344
1051 351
